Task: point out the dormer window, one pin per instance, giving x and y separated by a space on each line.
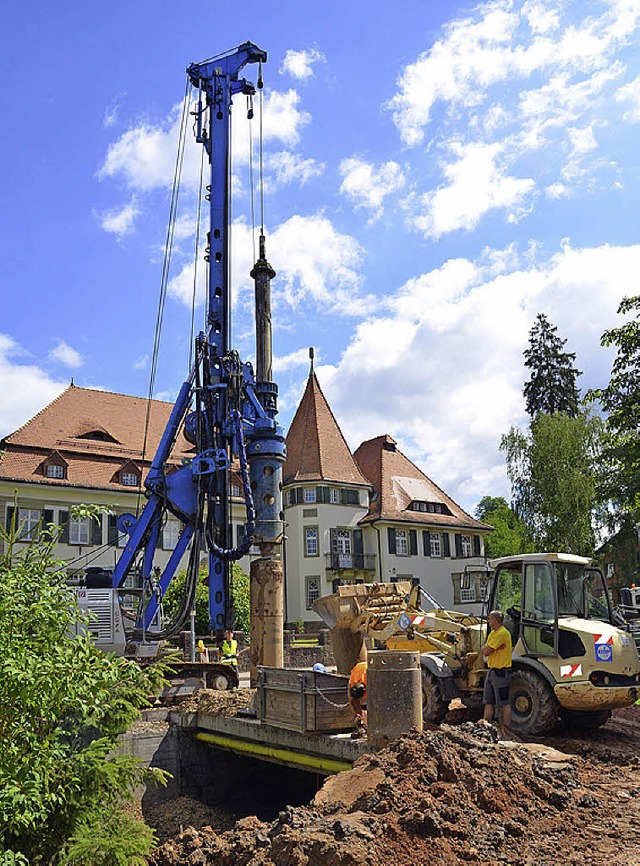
98 436
128 479
55 470
428 507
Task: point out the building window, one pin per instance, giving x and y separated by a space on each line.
435 544
79 530
290 497
311 542
235 490
466 545
28 521
342 541
171 534
309 494
610 570
402 546
312 586
334 495
55 470
129 479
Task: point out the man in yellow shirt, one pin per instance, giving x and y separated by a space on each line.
497 651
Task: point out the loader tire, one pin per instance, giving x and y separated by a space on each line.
534 706
434 706
585 721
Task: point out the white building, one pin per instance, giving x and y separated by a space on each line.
368 516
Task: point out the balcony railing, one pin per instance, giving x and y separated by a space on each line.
351 561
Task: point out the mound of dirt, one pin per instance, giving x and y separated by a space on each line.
218 703
447 796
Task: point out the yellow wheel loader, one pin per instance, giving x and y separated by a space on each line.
570 659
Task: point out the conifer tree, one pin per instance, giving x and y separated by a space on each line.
552 384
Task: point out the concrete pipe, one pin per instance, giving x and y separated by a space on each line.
394 695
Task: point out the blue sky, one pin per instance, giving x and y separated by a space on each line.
434 180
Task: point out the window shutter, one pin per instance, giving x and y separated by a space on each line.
333 538
426 543
240 533
63 517
112 529
96 530
322 494
476 545
343 496
47 517
458 543
357 541
10 510
391 538
447 544
413 542
299 494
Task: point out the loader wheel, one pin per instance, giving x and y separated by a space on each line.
534 706
434 706
585 721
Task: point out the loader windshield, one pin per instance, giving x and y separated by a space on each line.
582 592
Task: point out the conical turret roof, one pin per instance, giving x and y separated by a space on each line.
316 448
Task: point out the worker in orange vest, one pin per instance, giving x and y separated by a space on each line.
357 693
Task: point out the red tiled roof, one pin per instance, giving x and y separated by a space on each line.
316 448
90 462
397 482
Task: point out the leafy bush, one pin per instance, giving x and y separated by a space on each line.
239 590
63 704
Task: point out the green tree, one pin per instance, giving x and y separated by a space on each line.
621 401
554 471
63 704
552 383
239 591
510 534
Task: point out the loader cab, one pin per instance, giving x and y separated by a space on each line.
535 591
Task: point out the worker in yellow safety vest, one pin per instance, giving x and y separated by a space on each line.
229 649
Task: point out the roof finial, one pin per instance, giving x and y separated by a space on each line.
72 382
311 357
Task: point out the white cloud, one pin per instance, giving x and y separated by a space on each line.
66 355
367 186
315 263
142 363
449 381
477 183
26 388
510 83
120 221
144 156
112 111
299 64
630 93
299 358
506 41
290 168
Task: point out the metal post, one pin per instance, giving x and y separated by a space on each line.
265 454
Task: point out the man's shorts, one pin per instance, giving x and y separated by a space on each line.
496 687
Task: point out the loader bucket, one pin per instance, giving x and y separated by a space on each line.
347 611
348 648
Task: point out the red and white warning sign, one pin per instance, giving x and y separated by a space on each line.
603 644
570 670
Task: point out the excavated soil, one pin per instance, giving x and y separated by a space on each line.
452 795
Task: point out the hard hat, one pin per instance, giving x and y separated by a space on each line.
319 668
